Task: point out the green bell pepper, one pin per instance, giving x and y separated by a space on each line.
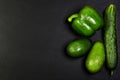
87 21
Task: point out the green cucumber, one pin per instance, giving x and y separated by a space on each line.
110 38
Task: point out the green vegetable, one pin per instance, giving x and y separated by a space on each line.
87 21
110 37
96 58
78 48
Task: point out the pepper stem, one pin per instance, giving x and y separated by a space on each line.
72 17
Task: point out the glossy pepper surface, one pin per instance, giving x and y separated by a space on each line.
87 21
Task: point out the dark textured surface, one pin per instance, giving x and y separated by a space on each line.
33 34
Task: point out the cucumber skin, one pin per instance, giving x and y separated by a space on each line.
110 37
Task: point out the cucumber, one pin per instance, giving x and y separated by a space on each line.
110 38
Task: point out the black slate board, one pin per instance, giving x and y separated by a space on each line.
33 35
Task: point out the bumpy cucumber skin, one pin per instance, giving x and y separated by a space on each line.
96 58
110 37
